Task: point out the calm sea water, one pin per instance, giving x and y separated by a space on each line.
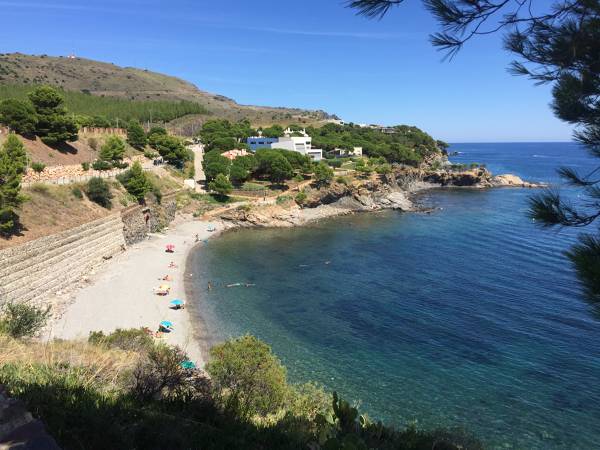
469 316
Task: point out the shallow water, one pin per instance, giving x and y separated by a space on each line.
467 316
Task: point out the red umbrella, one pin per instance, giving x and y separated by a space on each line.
170 248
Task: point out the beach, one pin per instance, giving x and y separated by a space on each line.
120 294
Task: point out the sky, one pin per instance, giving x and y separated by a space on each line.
313 54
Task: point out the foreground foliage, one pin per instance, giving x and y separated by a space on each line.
123 390
13 160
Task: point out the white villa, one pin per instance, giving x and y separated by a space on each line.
301 144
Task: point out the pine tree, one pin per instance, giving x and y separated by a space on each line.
136 137
10 188
54 126
16 153
136 181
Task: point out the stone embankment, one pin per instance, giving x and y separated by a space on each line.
41 269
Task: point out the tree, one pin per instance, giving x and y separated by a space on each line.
113 149
136 137
558 44
98 191
241 168
10 191
18 115
221 185
272 164
323 174
53 125
16 153
214 163
273 131
248 379
171 149
136 181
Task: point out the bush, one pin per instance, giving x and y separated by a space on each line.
151 154
98 191
136 137
300 197
298 178
38 167
334 162
101 165
93 142
85 166
160 374
247 378
133 339
342 180
323 174
21 320
77 192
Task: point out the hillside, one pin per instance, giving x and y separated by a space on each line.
106 79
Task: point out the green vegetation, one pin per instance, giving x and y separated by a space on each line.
105 111
222 135
323 174
18 115
136 136
98 191
12 165
53 125
112 150
407 145
221 185
136 181
300 198
170 148
38 166
125 389
20 320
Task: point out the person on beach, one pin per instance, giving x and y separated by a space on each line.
166 278
197 238
172 265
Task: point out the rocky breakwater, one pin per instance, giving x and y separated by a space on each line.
475 178
321 202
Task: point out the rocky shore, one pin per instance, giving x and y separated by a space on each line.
394 191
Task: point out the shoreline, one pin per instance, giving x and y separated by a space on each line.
120 294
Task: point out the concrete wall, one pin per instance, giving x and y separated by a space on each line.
37 270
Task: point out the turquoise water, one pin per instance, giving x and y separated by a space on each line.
467 316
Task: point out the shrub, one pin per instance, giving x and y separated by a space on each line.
85 166
133 339
282 199
98 191
298 178
342 180
38 166
151 154
77 192
323 174
334 162
21 320
248 379
300 197
101 165
93 142
160 373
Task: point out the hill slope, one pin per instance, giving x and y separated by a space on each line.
105 79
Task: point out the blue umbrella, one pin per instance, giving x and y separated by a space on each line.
166 324
177 302
188 365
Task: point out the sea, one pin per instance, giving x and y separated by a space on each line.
469 316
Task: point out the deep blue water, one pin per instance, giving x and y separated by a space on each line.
469 316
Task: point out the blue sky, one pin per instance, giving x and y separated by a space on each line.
312 54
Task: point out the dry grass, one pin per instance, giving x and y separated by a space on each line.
96 364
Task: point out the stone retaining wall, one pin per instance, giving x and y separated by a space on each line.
39 270
139 220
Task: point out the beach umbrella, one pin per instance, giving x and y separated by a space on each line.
188 365
170 247
166 324
177 302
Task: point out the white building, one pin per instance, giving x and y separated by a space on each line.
301 143
342 152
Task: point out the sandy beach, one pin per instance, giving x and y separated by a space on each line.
120 293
